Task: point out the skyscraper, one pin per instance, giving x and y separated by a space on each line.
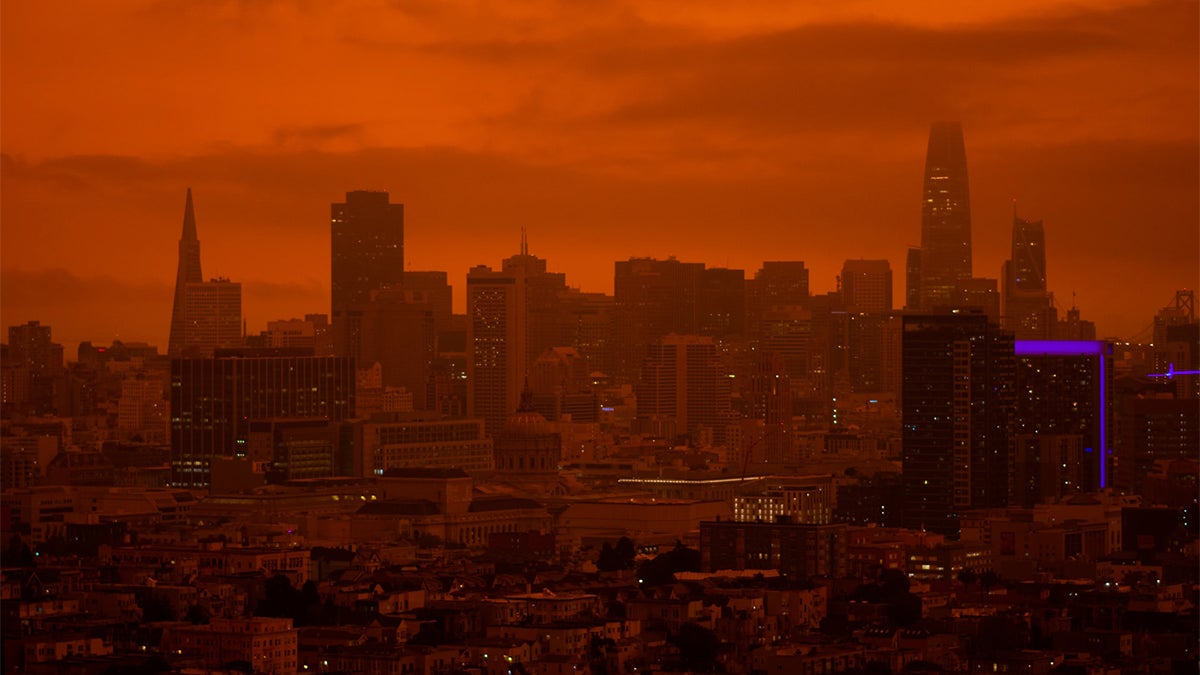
1028 310
958 393
683 386
188 272
496 335
366 254
945 216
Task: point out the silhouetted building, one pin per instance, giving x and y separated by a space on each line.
653 298
212 317
777 285
395 441
722 302
957 405
866 286
187 272
1065 388
1028 309
945 217
367 253
770 397
527 443
683 390
401 336
496 366
213 401
32 370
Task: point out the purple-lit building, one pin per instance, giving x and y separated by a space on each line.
1064 388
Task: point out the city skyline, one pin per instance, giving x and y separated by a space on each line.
631 147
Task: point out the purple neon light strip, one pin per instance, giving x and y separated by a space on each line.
1059 347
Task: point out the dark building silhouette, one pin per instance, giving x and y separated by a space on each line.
528 443
188 272
1064 388
722 302
957 406
684 389
366 254
32 370
496 338
214 400
945 255
653 298
866 286
1028 308
206 315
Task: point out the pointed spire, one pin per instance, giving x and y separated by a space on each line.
189 220
524 242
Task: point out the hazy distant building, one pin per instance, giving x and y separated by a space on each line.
213 401
721 304
777 285
867 286
957 406
367 253
395 441
683 389
528 443
945 257
977 293
311 332
206 315
543 321
770 400
496 335
401 336
1028 310
32 370
187 272
653 298
212 317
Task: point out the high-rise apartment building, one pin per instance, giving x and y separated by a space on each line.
213 401
1064 388
496 335
957 406
366 254
945 255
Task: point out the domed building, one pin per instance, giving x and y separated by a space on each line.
528 443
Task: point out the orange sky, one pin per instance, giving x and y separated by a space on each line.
700 129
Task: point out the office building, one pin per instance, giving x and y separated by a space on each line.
366 254
866 286
1028 310
684 390
957 407
398 441
212 317
945 257
496 335
214 400
796 550
653 298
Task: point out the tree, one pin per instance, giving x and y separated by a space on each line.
697 647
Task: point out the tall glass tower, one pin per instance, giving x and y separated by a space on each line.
188 272
945 216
